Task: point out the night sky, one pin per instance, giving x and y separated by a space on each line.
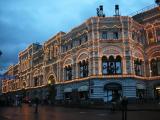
23 22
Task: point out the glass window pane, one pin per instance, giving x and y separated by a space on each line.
158 34
104 68
111 68
104 35
81 71
118 68
158 66
115 35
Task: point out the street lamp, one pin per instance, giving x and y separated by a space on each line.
49 82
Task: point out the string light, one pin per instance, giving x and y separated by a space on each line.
96 41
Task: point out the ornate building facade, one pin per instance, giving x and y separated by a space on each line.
102 59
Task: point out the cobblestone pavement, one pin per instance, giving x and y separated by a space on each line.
60 113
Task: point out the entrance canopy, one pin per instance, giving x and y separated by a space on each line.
83 88
68 90
112 86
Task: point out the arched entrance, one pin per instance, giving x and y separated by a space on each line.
51 89
112 92
51 80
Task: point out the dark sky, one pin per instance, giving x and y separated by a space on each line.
23 22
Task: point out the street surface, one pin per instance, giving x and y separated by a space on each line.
60 113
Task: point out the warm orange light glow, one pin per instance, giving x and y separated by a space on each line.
49 82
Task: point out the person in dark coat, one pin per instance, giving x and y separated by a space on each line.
124 104
36 101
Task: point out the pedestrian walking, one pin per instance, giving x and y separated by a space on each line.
20 100
124 104
36 102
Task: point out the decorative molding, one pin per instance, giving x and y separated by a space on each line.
111 50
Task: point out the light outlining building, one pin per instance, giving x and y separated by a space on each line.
100 60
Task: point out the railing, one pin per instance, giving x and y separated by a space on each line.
143 10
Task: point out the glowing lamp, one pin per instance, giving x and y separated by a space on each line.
49 82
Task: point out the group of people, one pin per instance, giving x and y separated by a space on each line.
18 100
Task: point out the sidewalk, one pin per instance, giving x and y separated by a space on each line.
144 107
63 113
135 107
131 107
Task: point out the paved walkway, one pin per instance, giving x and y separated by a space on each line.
60 113
131 107
140 107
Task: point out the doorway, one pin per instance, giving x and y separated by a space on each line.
112 92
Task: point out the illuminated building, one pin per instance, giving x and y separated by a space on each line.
102 59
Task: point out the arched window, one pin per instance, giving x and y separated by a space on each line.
118 65
83 68
138 67
154 67
158 65
111 66
68 72
36 81
158 34
104 65
86 68
150 37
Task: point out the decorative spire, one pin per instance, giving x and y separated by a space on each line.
157 2
116 10
100 11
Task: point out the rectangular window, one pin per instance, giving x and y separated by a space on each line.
115 35
104 35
